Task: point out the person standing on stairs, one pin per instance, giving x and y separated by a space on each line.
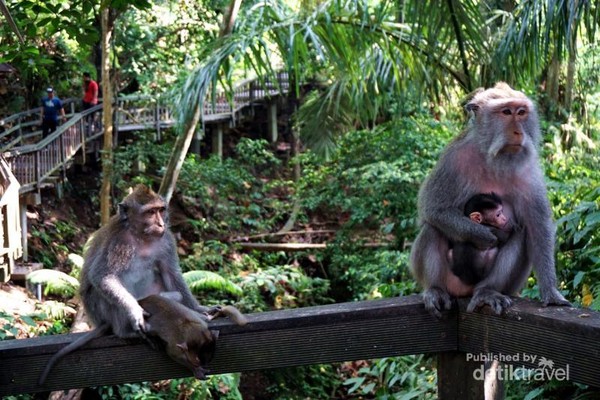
51 108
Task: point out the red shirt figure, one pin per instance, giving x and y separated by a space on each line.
90 89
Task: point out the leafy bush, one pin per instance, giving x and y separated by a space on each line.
575 196
283 286
308 382
393 378
54 282
230 194
374 176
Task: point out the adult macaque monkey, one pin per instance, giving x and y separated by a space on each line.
130 258
467 262
496 153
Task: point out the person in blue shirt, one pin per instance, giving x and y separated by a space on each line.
51 108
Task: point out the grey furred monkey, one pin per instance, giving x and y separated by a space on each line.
496 153
131 257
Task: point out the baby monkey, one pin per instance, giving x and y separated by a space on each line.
186 336
469 263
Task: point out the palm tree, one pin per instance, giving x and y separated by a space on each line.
362 55
540 35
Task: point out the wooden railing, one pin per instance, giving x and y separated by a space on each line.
555 342
34 162
11 247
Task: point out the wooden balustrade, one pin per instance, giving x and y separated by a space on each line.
35 163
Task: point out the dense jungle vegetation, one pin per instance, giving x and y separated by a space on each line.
377 94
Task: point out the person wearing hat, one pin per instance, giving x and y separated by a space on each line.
51 108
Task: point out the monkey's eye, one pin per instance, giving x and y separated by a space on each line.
521 111
506 111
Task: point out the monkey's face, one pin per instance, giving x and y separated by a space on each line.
193 355
496 217
151 219
506 122
511 128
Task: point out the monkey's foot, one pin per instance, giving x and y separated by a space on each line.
436 300
497 301
213 312
555 298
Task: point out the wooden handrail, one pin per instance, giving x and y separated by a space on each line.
33 164
11 247
561 340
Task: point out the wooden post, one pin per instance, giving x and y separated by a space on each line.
157 120
272 122
23 212
217 140
458 378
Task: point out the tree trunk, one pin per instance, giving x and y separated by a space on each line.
182 144
107 109
552 83
229 18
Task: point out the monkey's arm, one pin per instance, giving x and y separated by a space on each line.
113 290
540 231
441 203
173 279
501 234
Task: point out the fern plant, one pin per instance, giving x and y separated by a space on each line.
201 281
54 282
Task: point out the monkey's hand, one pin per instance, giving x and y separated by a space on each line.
497 301
485 238
554 297
136 317
436 300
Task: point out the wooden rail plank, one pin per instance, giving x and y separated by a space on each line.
568 337
338 332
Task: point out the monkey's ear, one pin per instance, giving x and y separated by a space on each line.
123 211
476 217
469 102
472 107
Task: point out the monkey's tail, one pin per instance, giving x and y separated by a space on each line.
234 314
93 334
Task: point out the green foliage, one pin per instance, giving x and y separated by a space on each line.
283 286
230 194
54 241
224 387
54 282
395 378
58 312
155 46
8 330
139 160
575 197
200 281
299 383
374 175
12 327
369 274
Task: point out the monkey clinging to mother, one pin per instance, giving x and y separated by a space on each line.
497 152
